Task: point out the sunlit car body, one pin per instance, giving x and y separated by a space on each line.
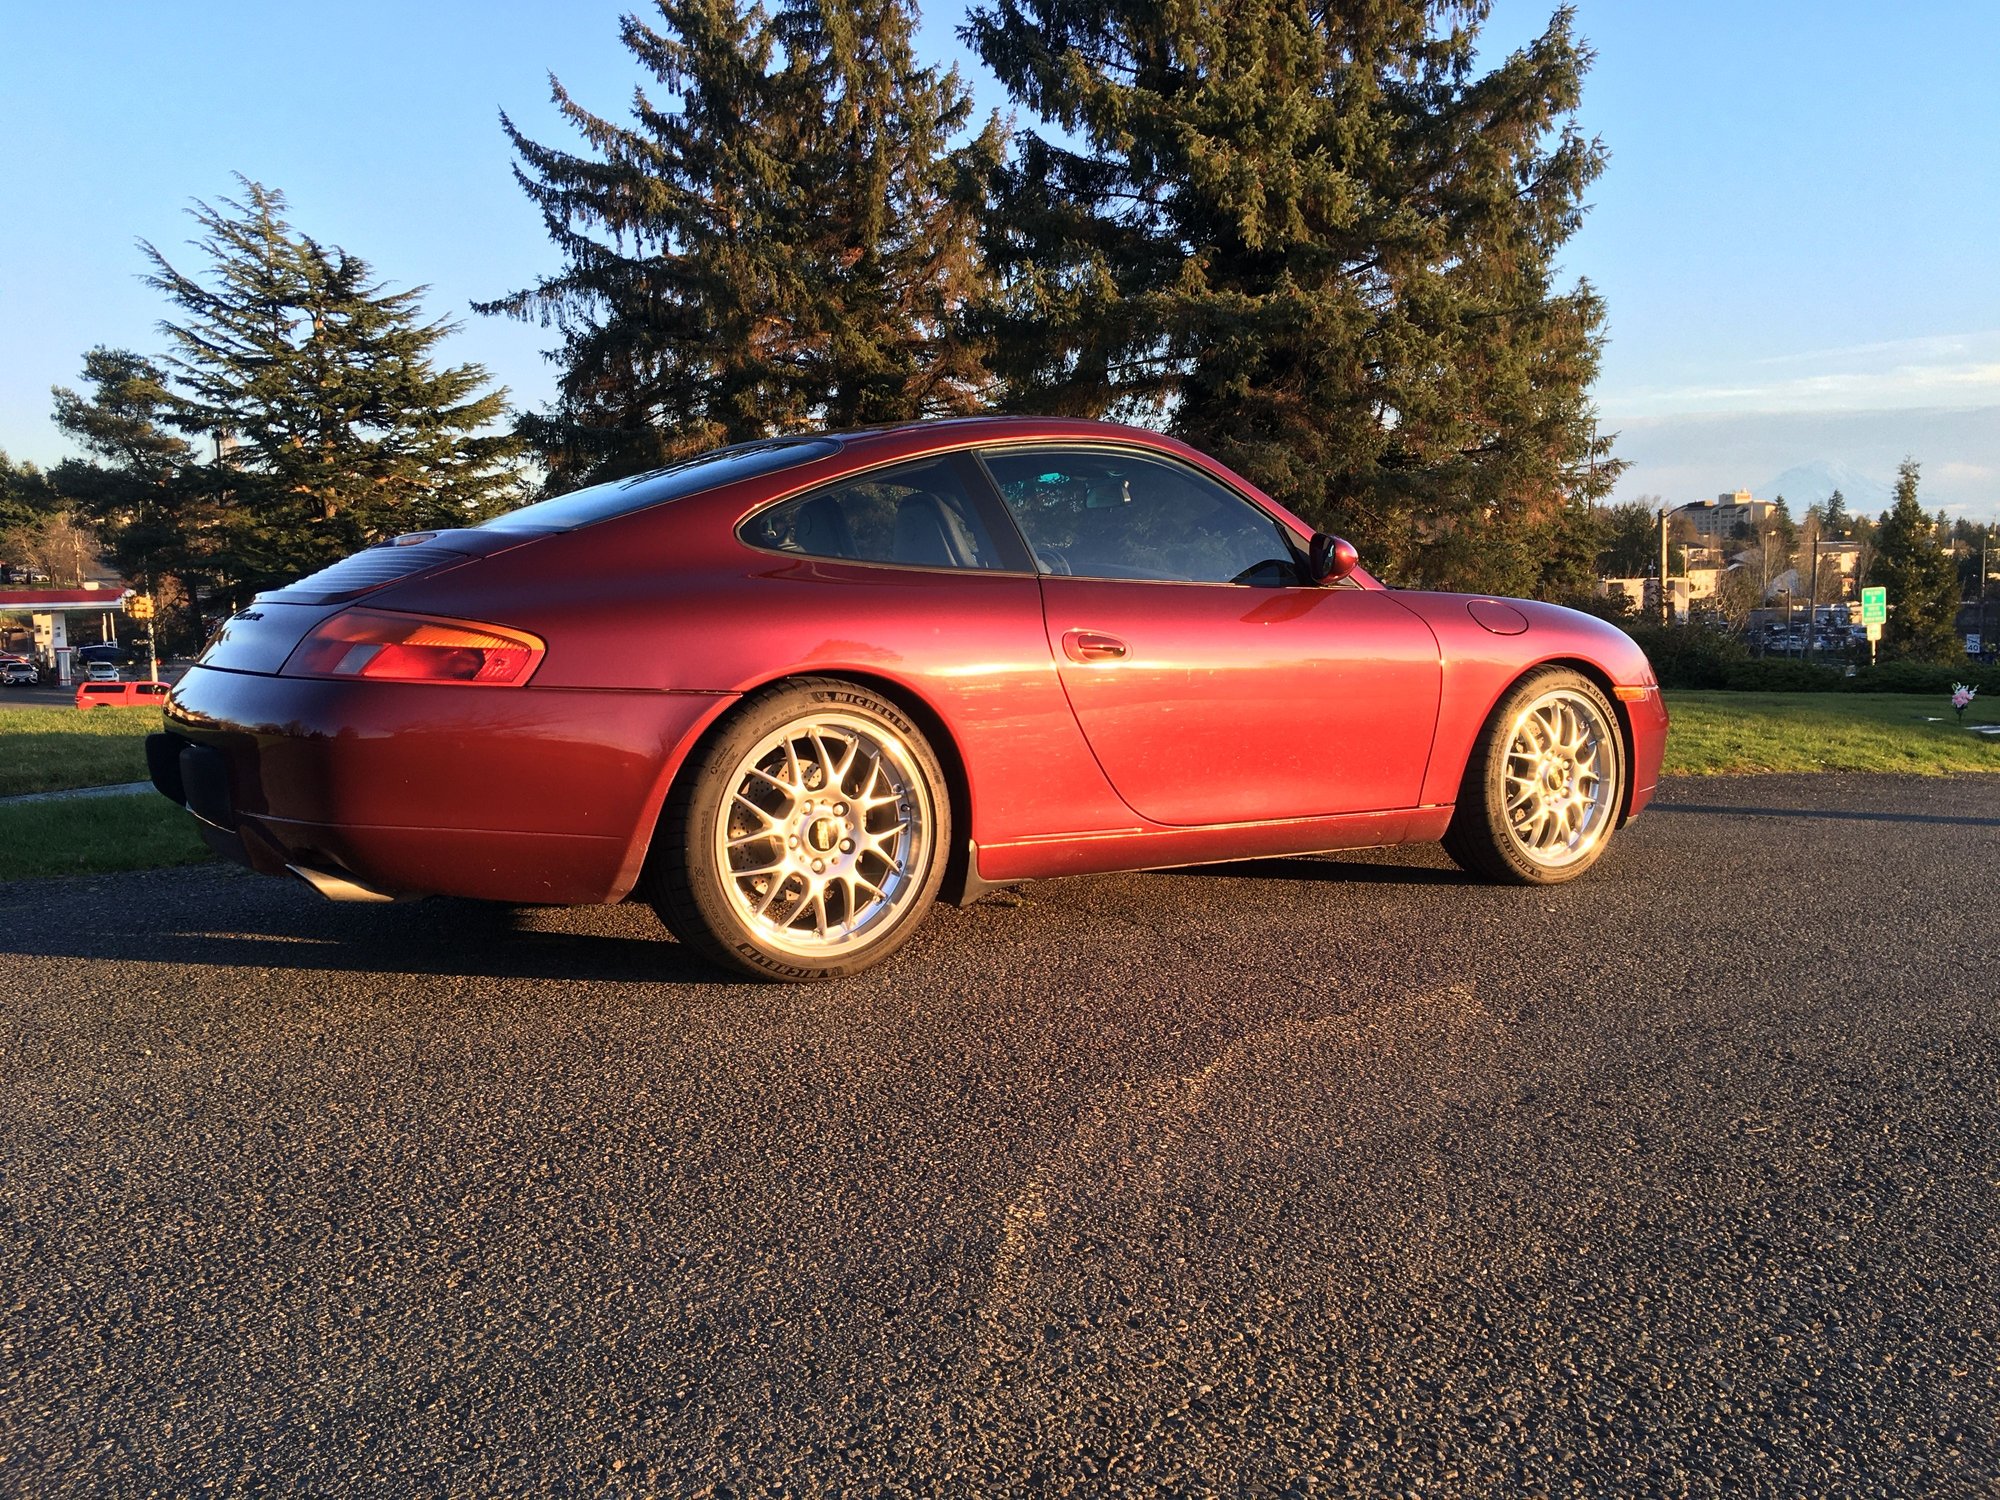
538 710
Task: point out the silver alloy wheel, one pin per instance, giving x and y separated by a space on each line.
1559 778
827 836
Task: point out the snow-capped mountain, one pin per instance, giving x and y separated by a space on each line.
1809 484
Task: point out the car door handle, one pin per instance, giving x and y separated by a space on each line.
1092 645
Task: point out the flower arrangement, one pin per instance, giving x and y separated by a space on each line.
1961 699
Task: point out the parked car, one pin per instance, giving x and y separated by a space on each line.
120 694
99 671
794 690
17 673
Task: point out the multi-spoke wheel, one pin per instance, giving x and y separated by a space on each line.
1544 785
809 838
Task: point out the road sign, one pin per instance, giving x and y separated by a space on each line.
1874 606
1972 643
1874 629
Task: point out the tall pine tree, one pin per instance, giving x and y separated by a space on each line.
1921 577
331 424
1313 239
142 492
782 238
26 500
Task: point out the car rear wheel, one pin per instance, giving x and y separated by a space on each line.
1544 785
808 838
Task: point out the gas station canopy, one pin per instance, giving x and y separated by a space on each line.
52 608
69 601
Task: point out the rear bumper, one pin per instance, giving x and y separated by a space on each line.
508 795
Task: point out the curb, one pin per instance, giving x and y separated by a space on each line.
123 789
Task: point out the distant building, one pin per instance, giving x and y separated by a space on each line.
1642 594
1845 556
1638 593
1702 583
1718 518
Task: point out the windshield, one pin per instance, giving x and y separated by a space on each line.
623 496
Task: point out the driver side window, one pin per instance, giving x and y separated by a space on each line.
1099 513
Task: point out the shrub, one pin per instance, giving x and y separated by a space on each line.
1784 674
1688 656
1923 677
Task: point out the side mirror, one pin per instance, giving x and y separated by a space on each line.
1331 558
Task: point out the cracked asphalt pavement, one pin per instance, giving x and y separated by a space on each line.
1338 1176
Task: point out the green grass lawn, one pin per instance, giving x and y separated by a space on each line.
1720 734
87 835
53 749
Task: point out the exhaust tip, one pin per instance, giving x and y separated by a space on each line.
341 887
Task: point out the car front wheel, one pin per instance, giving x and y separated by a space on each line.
1544 785
808 838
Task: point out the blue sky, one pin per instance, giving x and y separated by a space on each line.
1795 236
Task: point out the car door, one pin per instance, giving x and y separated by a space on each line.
1212 682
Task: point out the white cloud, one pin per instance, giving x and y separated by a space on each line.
1960 369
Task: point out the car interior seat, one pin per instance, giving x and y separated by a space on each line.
929 534
820 528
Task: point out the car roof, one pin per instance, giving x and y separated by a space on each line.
957 432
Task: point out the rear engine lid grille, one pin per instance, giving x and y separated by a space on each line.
385 563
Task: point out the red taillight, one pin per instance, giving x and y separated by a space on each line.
383 647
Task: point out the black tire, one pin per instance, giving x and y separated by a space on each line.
1485 839
712 851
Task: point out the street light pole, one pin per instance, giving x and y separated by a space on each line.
1666 608
1985 634
1812 607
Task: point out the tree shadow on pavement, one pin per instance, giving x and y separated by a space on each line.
438 937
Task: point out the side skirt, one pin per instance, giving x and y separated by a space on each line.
1156 848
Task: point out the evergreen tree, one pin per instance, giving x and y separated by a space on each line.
332 427
25 500
783 239
1314 241
1921 579
1781 538
1632 538
142 495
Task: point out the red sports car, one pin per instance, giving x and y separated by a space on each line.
791 692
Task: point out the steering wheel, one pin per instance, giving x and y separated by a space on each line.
1052 560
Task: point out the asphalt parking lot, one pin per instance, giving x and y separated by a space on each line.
1311 1177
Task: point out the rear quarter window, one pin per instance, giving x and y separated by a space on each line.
600 502
916 515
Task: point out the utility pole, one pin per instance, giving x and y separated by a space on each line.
1985 635
1812 608
1666 606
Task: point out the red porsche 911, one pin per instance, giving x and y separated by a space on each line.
792 692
